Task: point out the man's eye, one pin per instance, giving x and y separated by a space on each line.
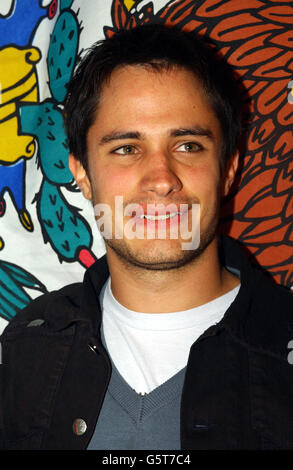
189 147
125 150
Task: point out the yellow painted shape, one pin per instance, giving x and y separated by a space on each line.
26 221
19 92
129 4
13 146
18 82
7 111
31 97
16 64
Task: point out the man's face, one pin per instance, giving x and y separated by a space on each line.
155 140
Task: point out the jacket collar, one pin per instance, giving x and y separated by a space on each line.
78 302
232 255
94 279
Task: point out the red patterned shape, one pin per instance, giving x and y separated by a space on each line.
249 53
213 8
278 14
240 27
272 97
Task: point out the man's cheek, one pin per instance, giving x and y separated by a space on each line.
113 181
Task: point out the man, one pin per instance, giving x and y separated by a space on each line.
168 343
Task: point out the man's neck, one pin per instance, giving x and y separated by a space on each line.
147 291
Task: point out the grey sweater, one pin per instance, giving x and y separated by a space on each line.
131 421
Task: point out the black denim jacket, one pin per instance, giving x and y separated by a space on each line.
238 389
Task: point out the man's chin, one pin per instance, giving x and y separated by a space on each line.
157 257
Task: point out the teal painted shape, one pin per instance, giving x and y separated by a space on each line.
62 54
13 297
65 4
62 226
45 122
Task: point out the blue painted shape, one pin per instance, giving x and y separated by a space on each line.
18 28
12 180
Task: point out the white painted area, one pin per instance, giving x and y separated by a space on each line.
45 3
157 4
6 7
93 15
3 324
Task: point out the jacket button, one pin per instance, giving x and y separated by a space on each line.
93 347
79 426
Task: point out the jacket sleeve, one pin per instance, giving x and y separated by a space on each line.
34 355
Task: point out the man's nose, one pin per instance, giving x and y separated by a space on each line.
159 175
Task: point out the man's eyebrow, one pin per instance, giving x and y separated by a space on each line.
180 132
197 131
119 136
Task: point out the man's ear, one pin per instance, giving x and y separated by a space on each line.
230 172
80 176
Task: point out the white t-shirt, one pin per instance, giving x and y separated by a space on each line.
149 348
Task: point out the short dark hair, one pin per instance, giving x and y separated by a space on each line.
160 47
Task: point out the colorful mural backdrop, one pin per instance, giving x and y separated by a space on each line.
48 235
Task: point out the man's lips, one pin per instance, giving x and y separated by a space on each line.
157 210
